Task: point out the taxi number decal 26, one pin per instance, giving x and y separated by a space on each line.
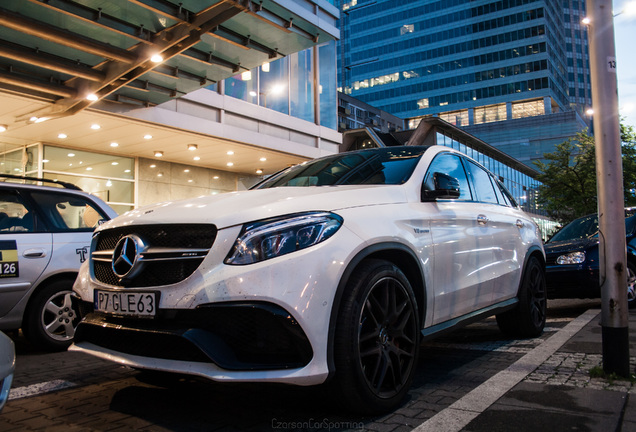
8 259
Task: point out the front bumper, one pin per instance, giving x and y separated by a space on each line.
233 336
572 281
280 332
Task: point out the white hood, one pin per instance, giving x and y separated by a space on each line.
236 208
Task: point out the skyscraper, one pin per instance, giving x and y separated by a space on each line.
577 52
487 66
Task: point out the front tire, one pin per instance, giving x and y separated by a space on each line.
50 321
528 318
377 338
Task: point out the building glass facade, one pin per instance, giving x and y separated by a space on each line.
578 57
287 85
469 62
418 57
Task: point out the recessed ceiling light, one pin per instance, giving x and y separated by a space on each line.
62 136
45 161
114 163
147 136
156 58
89 169
158 153
192 147
190 181
71 155
95 126
186 170
215 177
259 171
263 159
92 97
3 128
153 166
196 158
114 144
230 164
160 174
230 153
127 171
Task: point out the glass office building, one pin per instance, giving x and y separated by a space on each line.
578 57
471 63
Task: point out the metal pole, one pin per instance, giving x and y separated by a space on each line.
609 171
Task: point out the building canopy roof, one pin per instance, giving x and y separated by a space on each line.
62 51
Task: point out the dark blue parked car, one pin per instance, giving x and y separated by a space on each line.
572 259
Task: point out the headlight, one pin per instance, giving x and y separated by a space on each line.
267 239
571 258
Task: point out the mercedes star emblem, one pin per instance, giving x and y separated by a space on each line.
126 256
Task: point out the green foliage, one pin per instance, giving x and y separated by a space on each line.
568 176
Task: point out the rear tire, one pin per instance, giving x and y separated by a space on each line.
50 321
377 338
528 318
631 285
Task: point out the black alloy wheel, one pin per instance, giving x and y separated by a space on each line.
377 339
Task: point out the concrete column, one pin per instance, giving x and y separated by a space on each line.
547 104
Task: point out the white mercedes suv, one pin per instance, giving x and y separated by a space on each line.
331 271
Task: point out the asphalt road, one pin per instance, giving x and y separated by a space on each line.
71 391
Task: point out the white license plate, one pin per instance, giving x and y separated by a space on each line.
126 303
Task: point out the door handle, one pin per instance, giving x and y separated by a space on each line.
34 253
482 219
519 223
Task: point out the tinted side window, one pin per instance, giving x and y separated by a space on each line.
484 190
68 212
500 195
507 195
450 164
15 214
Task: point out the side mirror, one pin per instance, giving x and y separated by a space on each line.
445 187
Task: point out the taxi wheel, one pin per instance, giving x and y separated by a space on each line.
50 320
377 338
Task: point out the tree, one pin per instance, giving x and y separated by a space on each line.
568 176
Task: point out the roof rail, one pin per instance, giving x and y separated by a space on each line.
66 185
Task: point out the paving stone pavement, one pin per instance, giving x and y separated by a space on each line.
104 396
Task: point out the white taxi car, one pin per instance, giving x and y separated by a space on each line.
45 234
332 270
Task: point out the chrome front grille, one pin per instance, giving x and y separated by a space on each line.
169 253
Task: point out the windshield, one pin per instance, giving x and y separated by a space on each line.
581 228
385 166
587 226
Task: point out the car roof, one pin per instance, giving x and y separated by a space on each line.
66 185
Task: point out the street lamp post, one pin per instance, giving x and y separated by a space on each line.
609 171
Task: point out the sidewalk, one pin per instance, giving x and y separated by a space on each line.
550 389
